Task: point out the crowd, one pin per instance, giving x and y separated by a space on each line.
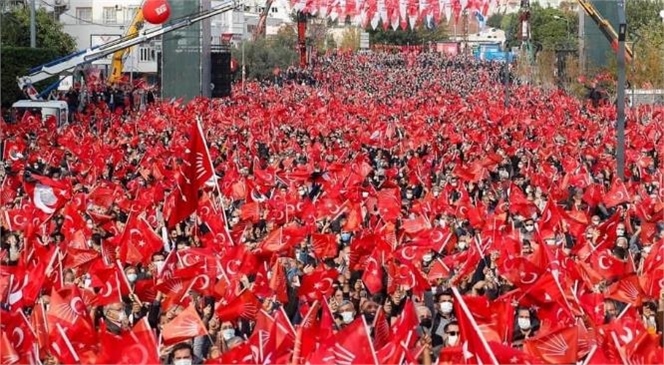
394 211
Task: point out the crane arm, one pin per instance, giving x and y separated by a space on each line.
605 27
70 62
117 64
262 20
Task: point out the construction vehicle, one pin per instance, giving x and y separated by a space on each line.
68 64
605 27
603 24
117 64
261 27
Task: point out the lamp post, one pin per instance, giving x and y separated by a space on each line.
620 103
33 26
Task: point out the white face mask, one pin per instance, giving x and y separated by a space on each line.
132 277
427 257
228 333
446 307
365 194
524 323
159 265
463 245
452 340
87 282
347 317
529 228
646 249
182 362
620 232
122 316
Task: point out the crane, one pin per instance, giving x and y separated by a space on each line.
262 20
70 62
117 64
605 27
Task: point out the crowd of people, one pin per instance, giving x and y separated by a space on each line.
395 211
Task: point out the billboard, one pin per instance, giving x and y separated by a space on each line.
181 55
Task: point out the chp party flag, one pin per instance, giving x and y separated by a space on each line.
196 170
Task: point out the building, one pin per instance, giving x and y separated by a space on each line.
94 22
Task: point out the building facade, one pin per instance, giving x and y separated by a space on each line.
95 22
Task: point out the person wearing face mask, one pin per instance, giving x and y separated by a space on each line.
444 302
620 249
116 319
452 334
525 327
425 317
182 354
347 313
227 331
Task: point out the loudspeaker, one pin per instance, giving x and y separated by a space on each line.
220 74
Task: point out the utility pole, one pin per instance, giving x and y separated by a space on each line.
33 26
620 103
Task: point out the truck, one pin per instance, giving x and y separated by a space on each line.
66 65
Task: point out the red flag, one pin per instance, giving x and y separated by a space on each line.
353 345
196 170
318 283
556 347
245 305
372 277
186 325
618 194
472 339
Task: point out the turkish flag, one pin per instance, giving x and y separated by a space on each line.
353 344
195 171
318 283
618 194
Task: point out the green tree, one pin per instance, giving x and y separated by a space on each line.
495 20
16 31
642 14
262 56
350 39
554 28
420 35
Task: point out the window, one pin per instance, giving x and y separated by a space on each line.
83 15
110 15
146 54
251 28
274 10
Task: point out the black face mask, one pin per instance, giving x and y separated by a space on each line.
369 317
426 322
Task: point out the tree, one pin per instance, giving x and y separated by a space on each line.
647 68
550 27
16 31
350 39
642 14
495 20
420 35
262 56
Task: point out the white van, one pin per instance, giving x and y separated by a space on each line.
44 109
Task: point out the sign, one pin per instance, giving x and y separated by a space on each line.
364 40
